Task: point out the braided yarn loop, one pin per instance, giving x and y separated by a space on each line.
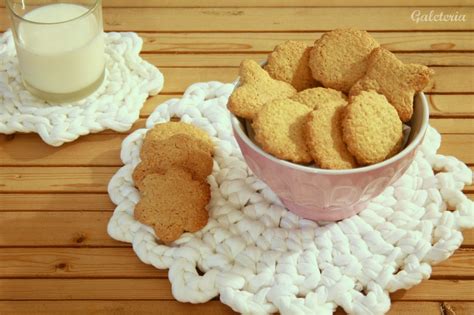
260 258
116 104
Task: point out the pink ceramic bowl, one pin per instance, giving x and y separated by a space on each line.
330 195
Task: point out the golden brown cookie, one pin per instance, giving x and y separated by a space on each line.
399 82
168 129
279 130
256 88
289 62
323 134
180 150
173 203
372 129
339 58
317 97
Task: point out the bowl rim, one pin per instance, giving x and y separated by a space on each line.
237 125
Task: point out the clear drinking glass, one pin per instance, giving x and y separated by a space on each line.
60 47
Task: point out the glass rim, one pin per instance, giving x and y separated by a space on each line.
88 12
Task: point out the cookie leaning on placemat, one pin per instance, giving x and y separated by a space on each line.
176 159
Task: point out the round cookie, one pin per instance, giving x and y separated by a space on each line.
372 129
339 58
256 88
173 203
165 130
289 62
317 97
323 134
179 150
279 128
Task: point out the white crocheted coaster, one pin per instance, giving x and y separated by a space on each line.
116 105
260 258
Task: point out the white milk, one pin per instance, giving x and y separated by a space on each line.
60 58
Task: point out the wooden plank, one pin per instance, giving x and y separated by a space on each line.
458 146
272 3
55 229
116 307
175 307
56 202
457 308
59 179
168 60
64 202
28 150
160 289
450 105
446 79
123 263
78 229
459 265
265 42
453 125
438 290
271 19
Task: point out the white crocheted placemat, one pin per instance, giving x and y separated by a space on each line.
116 105
261 258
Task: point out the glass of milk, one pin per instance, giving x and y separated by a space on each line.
60 47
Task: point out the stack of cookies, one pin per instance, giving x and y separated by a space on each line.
340 103
176 159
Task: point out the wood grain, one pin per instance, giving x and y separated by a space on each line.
269 19
235 43
160 289
123 263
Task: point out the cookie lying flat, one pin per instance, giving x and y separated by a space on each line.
179 150
256 89
397 81
279 130
339 58
372 129
173 203
323 134
317 97
165 130
289 62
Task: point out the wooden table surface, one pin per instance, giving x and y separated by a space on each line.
55 254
